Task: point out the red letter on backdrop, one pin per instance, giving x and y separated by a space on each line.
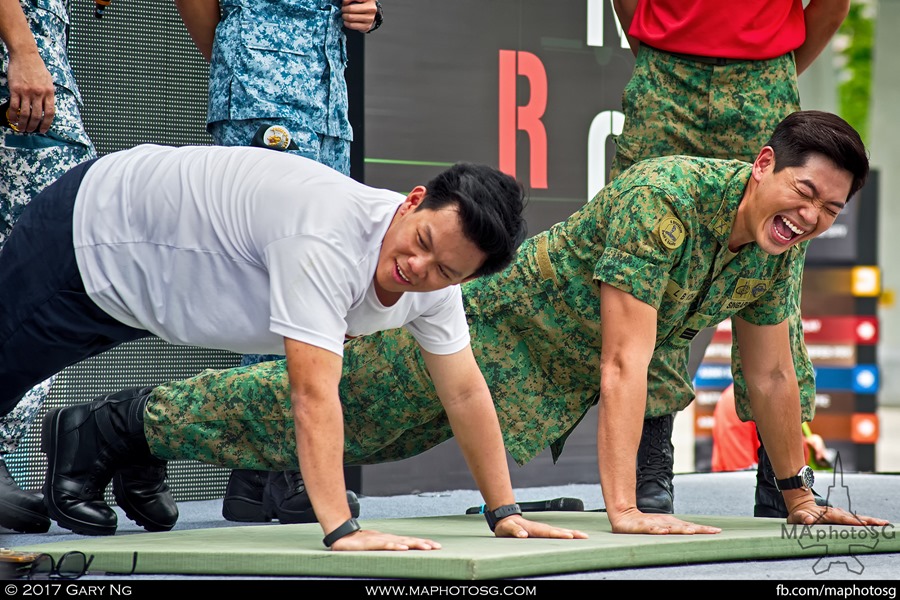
526 118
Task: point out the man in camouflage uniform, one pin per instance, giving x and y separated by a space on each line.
701 105
673 245
278 63
42 137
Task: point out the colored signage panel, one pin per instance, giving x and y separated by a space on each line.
842 329
862 379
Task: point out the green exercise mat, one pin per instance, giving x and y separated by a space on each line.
470 552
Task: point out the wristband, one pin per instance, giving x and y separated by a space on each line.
501 512
343 530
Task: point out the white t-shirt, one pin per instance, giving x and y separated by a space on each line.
237 248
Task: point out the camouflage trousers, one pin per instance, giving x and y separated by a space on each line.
674 105
236 418
241 417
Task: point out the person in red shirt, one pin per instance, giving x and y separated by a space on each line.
736 442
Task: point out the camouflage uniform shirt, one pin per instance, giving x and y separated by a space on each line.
281 58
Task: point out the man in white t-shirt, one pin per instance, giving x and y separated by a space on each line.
252 251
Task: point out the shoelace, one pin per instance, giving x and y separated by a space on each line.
655 465
296 483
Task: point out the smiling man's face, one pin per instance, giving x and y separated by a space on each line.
792 205
423 251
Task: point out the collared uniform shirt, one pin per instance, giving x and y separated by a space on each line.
281 58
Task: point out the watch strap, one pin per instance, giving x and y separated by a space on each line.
343 530
501 512
803 479
790 483
379 17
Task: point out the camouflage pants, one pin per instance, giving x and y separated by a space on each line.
28 164
236 418
241 417
674 106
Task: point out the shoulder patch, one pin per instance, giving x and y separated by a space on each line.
671 232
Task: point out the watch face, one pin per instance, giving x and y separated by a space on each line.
806 474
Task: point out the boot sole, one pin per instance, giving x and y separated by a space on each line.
132 512
22 520
48 447
656 511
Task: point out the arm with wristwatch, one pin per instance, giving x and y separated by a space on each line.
470 410
775 403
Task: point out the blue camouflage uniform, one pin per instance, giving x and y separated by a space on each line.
282 62
31 161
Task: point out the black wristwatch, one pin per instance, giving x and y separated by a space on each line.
507 510
379 17
803 479
344 529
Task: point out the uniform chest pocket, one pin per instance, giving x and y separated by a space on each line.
270 36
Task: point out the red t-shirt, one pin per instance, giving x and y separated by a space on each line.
749 29
734 441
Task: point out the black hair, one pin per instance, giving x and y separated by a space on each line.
490 205
808 132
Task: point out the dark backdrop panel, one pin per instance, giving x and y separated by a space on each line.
432 92
141 77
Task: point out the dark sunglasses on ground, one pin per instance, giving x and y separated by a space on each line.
70 565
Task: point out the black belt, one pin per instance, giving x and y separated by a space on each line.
707 60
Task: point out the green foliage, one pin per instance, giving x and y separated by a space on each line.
855 42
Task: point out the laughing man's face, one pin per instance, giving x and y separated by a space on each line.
793 205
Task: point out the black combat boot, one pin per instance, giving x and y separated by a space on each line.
285 499
143 494
243 501
655 466
769 501
86 445
20 510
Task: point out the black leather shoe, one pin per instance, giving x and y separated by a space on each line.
769 501
285 499
655 466
85 445
243 501
142 492
20 510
